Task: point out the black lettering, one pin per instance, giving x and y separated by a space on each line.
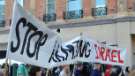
31 28
55 49
82 48
52 57
56 53
12 48
71 50
88 51
77 44
27 39
40 43
37 33
65 52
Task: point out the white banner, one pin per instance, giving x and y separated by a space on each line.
101 53
87 50
30 43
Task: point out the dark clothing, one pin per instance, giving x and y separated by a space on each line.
33 70
13 70
114 74
78 73
117 72
96 73
56 71
85 72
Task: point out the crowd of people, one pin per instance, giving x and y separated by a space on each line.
78 69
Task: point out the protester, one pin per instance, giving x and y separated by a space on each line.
22 70
34 71
78 69
72 69
127 71
56 71
13 70
122 73
5 68
49 72
65 71
117 71
39 73
96 70
43 71
108 70
86 69
1 72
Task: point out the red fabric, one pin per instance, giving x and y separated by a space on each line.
107 72
108 67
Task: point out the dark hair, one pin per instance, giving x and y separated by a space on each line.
58 30
33 70
79 64
127 69
4 65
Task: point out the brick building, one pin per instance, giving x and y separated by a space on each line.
60 9
108 20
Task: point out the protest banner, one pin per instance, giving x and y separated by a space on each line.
31 43
29 40
83 49
104 54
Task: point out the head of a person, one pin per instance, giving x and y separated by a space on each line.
79 66
97 66
127 69
66 68
34 70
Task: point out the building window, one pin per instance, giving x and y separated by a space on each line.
50 13
2 13
100 9
73 9
20 2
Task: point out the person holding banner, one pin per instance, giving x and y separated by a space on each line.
127 71
97 70
79 70
108 70
22 70
65 71
1 72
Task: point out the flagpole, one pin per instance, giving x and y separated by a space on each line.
81 39
6 67
8 61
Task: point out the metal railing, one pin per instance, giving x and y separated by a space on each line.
49 17
73 14
100 11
